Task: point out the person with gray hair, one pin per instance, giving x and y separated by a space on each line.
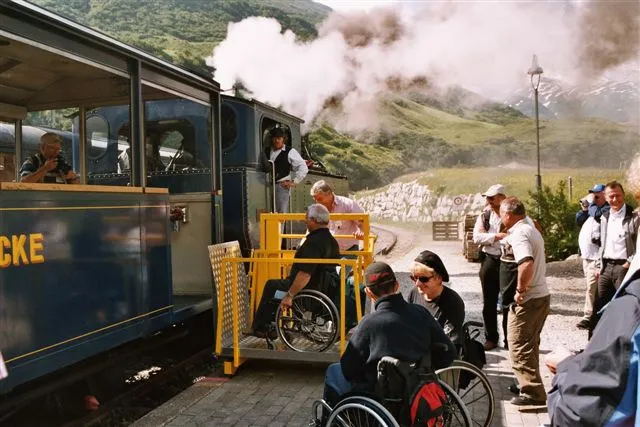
322 193
48 165
319 243
531 302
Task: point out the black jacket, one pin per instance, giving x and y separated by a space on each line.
599 387
398 329
447 309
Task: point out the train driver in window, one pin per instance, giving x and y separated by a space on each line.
48 166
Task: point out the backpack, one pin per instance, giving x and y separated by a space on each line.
411 392
427 405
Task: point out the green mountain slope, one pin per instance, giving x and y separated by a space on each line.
184 31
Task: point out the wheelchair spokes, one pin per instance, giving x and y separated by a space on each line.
311 324
473 388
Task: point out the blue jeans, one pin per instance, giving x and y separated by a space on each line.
335 384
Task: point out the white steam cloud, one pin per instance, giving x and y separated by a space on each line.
485 47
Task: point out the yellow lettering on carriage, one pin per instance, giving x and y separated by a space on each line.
14 250
17 247
5 258
36 246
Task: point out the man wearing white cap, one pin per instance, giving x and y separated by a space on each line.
487 233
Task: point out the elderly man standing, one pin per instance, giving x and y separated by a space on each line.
532 301
290 167
323 193
618 231
486 233
48 166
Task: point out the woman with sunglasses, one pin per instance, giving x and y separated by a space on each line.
429 274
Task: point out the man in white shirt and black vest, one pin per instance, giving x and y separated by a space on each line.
290 167
486 233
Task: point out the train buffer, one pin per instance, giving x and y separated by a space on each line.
314 329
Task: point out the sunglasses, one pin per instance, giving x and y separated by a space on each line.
490 198
423 279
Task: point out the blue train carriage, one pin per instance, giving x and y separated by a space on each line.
87 268
245 127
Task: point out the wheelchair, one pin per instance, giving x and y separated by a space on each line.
390 404
311 324
466 378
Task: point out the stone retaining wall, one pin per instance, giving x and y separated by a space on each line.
413 202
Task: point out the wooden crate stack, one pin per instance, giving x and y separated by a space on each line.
470 250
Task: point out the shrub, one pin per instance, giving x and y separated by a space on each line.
557 215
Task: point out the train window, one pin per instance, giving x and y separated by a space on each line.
229 126
97 136
7 152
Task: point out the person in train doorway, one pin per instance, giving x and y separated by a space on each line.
290 167
319 243
48 166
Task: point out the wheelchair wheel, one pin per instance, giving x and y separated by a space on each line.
455 411
359 411
473 388
310 325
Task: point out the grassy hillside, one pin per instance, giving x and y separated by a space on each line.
184 31
517 180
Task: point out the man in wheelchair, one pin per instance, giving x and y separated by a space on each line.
396 328
319 243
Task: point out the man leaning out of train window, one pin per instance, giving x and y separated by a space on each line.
48 166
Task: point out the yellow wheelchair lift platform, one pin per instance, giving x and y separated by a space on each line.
239 293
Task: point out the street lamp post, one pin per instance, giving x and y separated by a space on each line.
536 71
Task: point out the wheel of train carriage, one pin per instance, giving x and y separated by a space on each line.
360 411
311 324
473 388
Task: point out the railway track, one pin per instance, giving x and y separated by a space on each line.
386 240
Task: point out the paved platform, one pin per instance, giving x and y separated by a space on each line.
276 393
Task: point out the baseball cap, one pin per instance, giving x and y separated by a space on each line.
378 273
597 188
434 262
493 190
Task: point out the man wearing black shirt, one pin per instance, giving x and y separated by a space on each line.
396 328
319 243
445 305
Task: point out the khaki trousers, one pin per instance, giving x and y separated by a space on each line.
524 328
590 270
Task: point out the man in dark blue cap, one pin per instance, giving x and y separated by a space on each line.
588 218
594 205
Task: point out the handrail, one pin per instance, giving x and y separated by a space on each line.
37 186
343 262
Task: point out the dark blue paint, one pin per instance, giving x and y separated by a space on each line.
102 267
